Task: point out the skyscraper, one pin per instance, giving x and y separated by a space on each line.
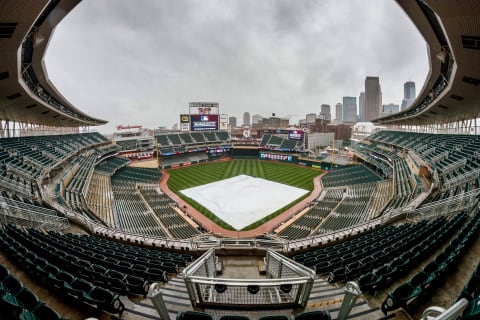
373 98
408 94
338 112
310 117
325 112
233 122
390 108
349 109
246 118
256 118
361 107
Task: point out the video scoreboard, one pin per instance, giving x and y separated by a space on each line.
203 116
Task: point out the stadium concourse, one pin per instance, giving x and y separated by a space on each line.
84 234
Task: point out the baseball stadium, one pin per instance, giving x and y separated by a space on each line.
197 224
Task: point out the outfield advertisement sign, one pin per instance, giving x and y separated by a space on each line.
273 156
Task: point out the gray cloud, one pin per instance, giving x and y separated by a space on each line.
142 62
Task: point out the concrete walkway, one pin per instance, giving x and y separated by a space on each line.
219 231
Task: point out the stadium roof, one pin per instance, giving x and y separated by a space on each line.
26 93
452 90
450 93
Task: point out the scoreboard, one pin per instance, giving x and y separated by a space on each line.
295 134
202 122
203 116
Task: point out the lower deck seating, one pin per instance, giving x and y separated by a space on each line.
38 259
160 204
347 176
19 302
305 225
435 272
381 256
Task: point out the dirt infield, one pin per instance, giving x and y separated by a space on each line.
219 231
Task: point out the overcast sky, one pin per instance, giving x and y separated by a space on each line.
141 62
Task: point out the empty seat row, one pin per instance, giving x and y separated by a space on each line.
18 302
434 273
61 282
386 273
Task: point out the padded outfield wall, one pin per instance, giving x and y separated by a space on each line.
257 153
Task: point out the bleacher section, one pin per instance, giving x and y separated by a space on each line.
454 157
19 302
352 210
378 258
141 209
160 204
83 269
434 273
127 145
179 159
100 199
178 143
347 176
133 213
29 214
76 180
111 165
309 222
274 142
24 159
140 175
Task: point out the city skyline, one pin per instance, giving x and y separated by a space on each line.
143 66
409 95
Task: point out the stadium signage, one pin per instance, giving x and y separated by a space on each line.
204 122
273 156
295 134
184 118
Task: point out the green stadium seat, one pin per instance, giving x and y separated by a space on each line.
44 312
193 315
400 297
274 317
11 284
234 317
4 273
313 315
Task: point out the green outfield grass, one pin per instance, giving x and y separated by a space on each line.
193 176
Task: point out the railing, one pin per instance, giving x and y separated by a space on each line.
35 163
453 166
452 313
287 284
18 188
458 180
30 217
439 157
428 151
18 171
445 207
